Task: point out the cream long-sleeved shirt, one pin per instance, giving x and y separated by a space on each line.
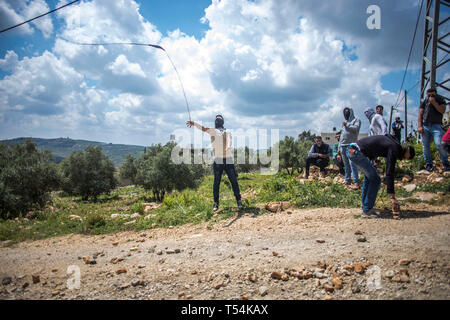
221 142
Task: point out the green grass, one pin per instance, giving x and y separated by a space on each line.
186 207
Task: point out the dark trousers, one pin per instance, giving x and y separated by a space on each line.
340 165
318 162
229 168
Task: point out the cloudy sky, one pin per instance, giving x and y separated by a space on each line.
289 65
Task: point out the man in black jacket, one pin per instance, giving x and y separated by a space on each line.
369 148
319 156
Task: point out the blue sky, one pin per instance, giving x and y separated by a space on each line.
291 65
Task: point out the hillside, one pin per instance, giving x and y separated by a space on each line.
63 147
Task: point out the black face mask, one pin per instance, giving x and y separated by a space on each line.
346 114
219 123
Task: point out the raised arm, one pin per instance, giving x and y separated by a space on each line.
439 107
192 123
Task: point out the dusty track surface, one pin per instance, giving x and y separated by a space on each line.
297 254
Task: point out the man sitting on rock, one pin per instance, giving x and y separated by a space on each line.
337 158
319 156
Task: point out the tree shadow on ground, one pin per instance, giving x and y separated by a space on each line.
411 214
252 211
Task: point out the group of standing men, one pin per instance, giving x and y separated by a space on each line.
352 155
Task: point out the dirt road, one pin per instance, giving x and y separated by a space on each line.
297 254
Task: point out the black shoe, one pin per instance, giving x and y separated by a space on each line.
429 167
216 207
239 205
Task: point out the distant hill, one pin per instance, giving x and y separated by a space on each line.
63 147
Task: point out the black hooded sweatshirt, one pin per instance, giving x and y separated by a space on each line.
383 146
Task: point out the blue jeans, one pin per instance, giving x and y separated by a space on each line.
350 168
229 168
433 132
372 180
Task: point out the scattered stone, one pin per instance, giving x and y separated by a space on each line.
75 217
115 244
359 268
55 293
116 260
25 285
320 241
252 278
274 253
328 298
180 294
124 286
389 274
263 291
194 272
6 281
138 282
248 244
355 287
349 267
358 233
219 284
403 278
173 251
328 288
135 215
276 275
404 262
410 187
337 283
361 239
406 179
141 266
159 253
423 172
151 206
121 270
244 297
273 206
423 196
36 278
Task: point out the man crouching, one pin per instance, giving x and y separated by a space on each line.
364 150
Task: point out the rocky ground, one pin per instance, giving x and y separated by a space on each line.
293 254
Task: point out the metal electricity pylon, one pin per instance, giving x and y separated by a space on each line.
435 43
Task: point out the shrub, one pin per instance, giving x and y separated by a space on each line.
88 174
128 169
27 176
157 172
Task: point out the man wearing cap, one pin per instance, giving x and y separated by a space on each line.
223 158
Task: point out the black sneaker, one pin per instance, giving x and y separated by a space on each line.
239 205
216 207
429 167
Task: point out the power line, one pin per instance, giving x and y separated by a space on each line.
410 52
51 11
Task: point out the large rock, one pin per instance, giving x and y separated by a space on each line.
410 187
424 196
151 206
